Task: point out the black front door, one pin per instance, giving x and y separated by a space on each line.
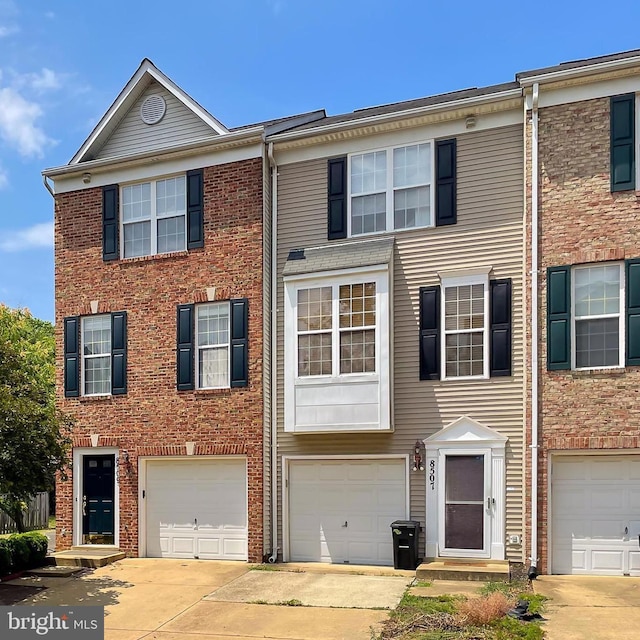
98 483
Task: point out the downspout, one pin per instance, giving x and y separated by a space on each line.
533 568
48 186
274 352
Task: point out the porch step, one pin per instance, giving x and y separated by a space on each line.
463 569
83 557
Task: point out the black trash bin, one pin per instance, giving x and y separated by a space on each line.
406 535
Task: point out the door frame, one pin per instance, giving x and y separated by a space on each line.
79 454
142 488
466 436
346 458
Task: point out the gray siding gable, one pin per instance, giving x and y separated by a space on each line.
132 135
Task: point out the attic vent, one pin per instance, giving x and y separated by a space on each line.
153 109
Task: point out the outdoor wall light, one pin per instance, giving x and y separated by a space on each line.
86 178
418 459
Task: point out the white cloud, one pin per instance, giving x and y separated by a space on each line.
4 178
39 236
8 30
46 79
18 124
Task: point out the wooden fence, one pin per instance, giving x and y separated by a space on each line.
37 516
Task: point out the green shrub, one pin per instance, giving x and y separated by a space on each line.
5 556
38 546
20 551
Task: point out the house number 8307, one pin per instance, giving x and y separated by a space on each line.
432 474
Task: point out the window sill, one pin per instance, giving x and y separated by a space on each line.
207 393
158 256
88 399
605 372
391 232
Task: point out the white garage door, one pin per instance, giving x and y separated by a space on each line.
596 515
340 511
196 509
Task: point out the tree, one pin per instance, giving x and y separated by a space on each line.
34 434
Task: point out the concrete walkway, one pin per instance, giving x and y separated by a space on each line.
174 600
591 607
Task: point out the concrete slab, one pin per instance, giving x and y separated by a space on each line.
120 634
287 623
170 571
586 607
325 567
314 590
53 571
149 606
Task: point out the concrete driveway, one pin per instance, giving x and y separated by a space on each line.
591 607
189 599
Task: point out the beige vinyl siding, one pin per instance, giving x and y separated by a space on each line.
178 125
266 350
489 231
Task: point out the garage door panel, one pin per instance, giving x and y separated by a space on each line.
355 493
194 507
594 499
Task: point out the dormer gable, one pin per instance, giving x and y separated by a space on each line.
150 113
465 430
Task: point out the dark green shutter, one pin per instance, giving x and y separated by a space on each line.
195 206
623 172
71 357
185 348
500 328
558 318
430 333
446 210
119 353
632 289
110 231
337 195
239 342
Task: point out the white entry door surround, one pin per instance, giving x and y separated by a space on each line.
465 447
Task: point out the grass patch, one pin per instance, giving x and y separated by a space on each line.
264 567
422 583
449 617
281 603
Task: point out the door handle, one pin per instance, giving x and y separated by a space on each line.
195 523
84 505
626 531
488 504
346 524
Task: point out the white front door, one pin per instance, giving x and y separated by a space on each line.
596 515
340 511
465 505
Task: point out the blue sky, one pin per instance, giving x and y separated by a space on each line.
63 63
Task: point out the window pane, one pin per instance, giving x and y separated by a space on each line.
597 290
412 208
171 197
464 353
213 324
137 239
213 367
97 375
598 343
171 234
412 165
368 214
369 172
358 351
464 307
96 335
358 305
314 309
314 354
136 202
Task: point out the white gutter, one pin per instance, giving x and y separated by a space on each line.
398 115
48 186
533 569
274 352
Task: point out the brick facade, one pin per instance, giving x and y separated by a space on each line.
581 221
153 418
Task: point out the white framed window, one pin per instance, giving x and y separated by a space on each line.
337 351
154 217
391 189
212 345
597 316
465 318
336 329
96 355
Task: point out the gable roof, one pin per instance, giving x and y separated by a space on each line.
144 75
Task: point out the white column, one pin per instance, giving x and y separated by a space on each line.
499 511
431 474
